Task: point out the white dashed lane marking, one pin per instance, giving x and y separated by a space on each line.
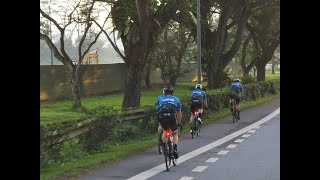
186 178
157 169
246 135
251 131
232 146
239 140
212 160
223 152
199 168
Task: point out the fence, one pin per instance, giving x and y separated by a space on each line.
96 79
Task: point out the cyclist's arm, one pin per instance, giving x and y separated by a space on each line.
178 112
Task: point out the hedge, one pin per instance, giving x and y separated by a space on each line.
109 128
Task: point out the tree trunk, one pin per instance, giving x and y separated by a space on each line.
217 79
75 89
261 71
245 72
132 89
147 78
173 80
273 65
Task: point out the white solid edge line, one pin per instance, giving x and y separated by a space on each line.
155 170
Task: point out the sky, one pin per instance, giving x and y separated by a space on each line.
58 7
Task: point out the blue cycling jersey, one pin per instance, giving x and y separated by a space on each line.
168 99
199 92
236 84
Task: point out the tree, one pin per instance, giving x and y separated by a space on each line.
249 55
264 26
173 47
276 59
220 39
137 23
214 38
85 10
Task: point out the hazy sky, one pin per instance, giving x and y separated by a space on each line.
58 9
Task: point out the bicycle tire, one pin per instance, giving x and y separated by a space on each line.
234 112
174 161
166 155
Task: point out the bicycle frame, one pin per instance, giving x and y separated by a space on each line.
195 124
168 148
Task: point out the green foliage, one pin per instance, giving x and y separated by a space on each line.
248 79
124 131
108 128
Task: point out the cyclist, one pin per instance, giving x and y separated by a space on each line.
234 93
169 114
198 98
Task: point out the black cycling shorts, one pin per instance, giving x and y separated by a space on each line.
195 105
235 96
168 120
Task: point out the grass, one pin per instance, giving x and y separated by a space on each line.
127 149
115 153
62 111
272 76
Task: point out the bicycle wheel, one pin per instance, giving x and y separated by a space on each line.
193 128
166 155
174 161
198 128
234 114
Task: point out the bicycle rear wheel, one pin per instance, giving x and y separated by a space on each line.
194 130
166 156
234 114
199 127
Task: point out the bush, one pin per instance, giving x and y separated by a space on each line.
109 128
248 79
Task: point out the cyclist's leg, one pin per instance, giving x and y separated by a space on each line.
192 109
160 132
164 124
238 105
174 127
159 129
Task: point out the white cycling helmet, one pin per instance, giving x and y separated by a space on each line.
198 86
236 80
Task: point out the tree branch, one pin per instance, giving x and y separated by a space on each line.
88 25
53 48
51 19
115 47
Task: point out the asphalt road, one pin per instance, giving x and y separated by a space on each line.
256 157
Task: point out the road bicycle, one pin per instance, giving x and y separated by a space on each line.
196 126
234 111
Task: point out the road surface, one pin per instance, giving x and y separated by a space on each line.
248 150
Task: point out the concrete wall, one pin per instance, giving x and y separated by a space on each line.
96 79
